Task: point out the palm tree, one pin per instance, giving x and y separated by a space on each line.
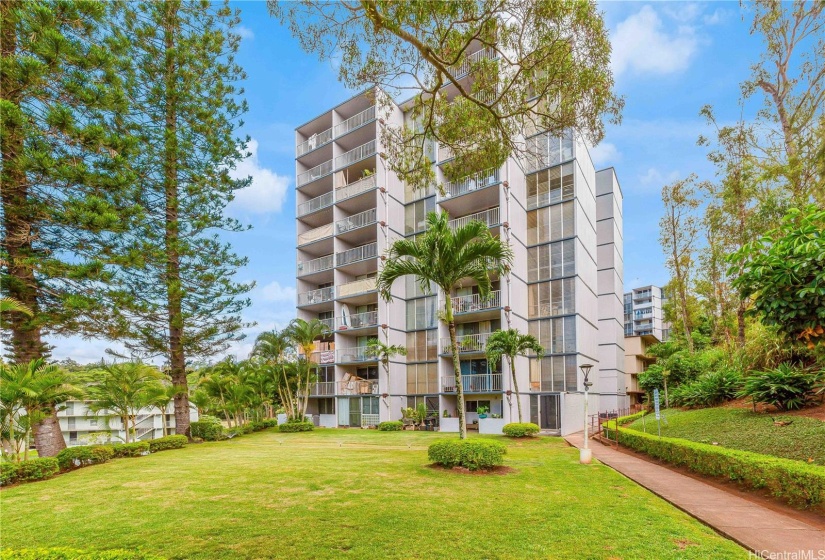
125 389
304 334
377 349
159 396
509 344
444 257
271 348
11 304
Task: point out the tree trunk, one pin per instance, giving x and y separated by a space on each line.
174 290
515 386
459 388
48 438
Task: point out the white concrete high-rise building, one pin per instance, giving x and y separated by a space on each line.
563 220
643 313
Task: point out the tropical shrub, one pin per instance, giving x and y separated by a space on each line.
134 449
8 473
391 426
520 429
292 427
472 454
74 554
786 387
710 389
168 442
38 468
84 455
208 428
269 422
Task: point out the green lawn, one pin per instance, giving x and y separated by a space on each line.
353 494
739 428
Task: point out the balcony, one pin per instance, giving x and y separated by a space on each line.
469 343
323 357
357 321
315 173
353 355
466 65
471 183
313 297
359 153
355 221
329 322
357 387
314 141
476 383
474 302
489 217
316 234
362 253
315 204
316 265
354 189
356 288
355 121
322 389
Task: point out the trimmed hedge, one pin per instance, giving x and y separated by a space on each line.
622 420
39 468
208 428
74 554
264 424
391 426
520 429
134 449
292 427
797 483
168 442
471 454
84 455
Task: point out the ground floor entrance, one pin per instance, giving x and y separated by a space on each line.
545 410
358 412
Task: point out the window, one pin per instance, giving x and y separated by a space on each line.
93 421
550 223
558 336
553 373
550 186
551 261
326 374
430 402
422 346
413 288
415 215
422 378
472 406
411 195
551 298
326 406
421 313
545 150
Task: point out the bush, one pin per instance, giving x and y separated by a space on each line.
168 442
8 473
391 426
74 554
292 427
471 454
84 455
710 389
520 429
208 428
39 468
270 422
796 482
134 449
786 387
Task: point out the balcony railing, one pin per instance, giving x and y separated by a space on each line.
466 65
358 387
362 253
359 153
323 356
314 141
471 183
355 121
355 221
354 189
489 217
315 173
315 265
329 322
321 295
467 343
322 389
475 383
357 321
315 234
357 287
474 302
315 204
357 354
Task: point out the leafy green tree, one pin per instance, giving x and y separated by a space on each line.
443 257
183 302
547 67
509 344
272 349
160 395
384 352
303 334
65 184
784 273
7 305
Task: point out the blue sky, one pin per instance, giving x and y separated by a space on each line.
670 59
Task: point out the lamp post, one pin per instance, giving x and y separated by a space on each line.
585 454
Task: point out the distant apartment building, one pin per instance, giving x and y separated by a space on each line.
643 313
637 360
563 220
81 426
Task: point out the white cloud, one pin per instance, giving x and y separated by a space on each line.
268 189
655 178
605 154
642 46
718 16
244 32
275 292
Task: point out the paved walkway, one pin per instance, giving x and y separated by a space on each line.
755 527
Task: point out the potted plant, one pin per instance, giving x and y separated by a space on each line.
446 413
482 411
